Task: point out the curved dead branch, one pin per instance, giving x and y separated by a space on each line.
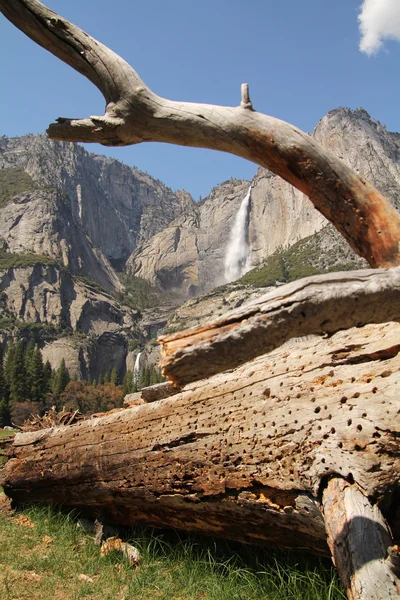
322 304
135 114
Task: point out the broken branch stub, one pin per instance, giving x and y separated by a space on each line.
135 114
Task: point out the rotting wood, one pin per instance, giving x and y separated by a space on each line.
135 114
151 393
359 540
159 391
244 454
322 304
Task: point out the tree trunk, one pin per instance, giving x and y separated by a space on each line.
245 454
359 541
135 114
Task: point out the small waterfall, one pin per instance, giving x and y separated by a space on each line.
136 369
238 255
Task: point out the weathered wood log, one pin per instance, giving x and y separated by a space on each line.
359 540
322 304
135 114
245 454
151 393
159 391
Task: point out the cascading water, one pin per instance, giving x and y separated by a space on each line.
238 254
136 369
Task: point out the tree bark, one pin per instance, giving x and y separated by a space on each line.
359 540
322 304
135 114
245 454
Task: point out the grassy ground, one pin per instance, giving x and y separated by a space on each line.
44 556
4 433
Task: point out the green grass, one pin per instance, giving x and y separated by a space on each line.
174 567
300 260
13 182
139 293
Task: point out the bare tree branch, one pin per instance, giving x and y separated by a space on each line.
314 305
135 114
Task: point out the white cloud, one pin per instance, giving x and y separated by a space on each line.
379 19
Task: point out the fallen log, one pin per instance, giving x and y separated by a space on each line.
151 393
245 454
322 304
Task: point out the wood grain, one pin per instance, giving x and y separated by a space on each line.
359 539
322 304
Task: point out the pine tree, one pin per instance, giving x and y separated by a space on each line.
4 405
4 413
61 379
29 368
3 383
144 378
48 375
37 377
9 363
101 379
128 383
107 377
153 376
114 377
15 372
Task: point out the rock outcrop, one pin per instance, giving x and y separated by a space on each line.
189 254
70 318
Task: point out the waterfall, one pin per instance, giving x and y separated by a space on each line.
238 255
136 369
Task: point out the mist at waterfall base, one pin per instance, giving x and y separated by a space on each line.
238 254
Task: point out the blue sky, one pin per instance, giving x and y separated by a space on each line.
300 58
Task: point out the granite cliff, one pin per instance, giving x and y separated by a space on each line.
68 220
87 211
190 255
